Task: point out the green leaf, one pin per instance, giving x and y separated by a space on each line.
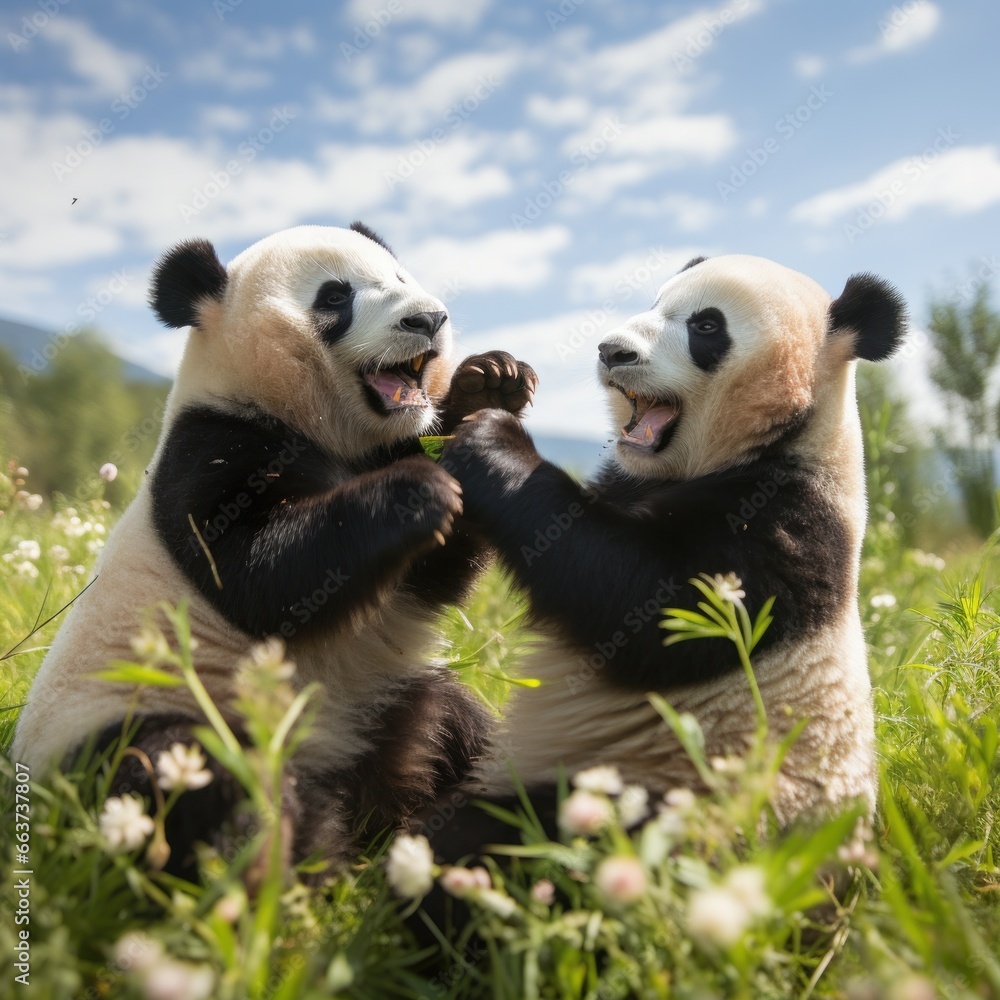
433 445
124 672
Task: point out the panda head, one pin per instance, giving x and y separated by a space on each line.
736 353
318 326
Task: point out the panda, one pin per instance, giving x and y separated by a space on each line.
739 450
289 496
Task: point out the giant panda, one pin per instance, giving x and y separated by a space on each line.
289 496
737 449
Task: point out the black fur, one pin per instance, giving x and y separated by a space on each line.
708 339
204 815
184 276
359 227
599 561
334 308
692 262
296 541
874 311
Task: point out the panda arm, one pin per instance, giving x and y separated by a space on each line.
281 546
598 575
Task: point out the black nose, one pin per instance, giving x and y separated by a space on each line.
614 355
428 323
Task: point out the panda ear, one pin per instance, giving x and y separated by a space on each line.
692 263
184 276
359 227
872 311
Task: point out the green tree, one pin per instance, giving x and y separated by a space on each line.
966 342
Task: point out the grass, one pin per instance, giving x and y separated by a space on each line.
728 907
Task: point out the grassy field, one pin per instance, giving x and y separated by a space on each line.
702 902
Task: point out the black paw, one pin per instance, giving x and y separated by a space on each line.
432 498
491 381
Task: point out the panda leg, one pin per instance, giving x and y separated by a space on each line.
203 815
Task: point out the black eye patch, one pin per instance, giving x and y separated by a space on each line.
334 306
708 339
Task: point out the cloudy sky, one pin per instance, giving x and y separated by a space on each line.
543 167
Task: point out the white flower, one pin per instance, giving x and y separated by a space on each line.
621 879
460 882
137 951
602 778
681 799
269 656
22 471
108 472
717 916
747 883
633 805
883 601
410 867
543 891
584 813
182 767
124 824
28 550
496 902
173 980
59 553
28 569
729 587
28 501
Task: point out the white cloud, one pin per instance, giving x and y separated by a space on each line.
687 212
679 138
451 92
808 67
632 277
463 14
903 27
108 71
555 112
959 180
504 258
213 67
224 118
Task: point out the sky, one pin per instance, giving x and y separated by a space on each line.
542 167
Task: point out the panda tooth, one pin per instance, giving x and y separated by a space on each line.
397 395
418 363
649 432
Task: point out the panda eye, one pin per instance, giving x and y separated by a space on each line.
707 322
332 295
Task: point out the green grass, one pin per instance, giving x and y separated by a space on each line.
917 915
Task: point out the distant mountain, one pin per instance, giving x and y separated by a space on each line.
27 343
577 455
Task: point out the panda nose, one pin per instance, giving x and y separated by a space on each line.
428 322
615 356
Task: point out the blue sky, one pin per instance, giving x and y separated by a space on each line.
544 167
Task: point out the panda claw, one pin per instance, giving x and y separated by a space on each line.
439 536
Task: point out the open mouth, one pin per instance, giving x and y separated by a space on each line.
653 421
397 387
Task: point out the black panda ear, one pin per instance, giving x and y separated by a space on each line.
359 227
183 277
871 309
691 263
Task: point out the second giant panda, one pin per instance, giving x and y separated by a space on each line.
289 496
739 451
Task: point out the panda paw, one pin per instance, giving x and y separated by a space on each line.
491 381
486 445
433 499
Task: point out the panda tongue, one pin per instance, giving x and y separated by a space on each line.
395 390
647 430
